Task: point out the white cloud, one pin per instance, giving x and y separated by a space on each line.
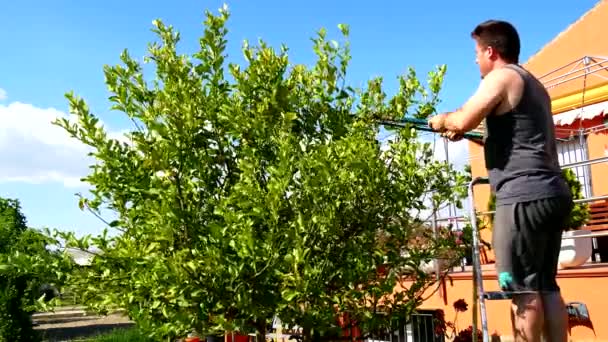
3 95
33 150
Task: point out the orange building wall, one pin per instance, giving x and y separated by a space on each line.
598 147
478 169
589 290
481 192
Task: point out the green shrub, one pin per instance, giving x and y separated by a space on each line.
580 213
25 266
15 321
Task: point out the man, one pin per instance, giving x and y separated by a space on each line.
532 197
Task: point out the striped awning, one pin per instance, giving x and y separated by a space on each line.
583 113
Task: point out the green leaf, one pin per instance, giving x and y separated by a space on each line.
289 295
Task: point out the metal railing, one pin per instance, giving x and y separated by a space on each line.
420 328
585 162
463 218
590 66
575 164
466 218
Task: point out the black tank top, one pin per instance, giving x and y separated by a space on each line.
520 148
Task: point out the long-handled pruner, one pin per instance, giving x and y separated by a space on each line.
422 125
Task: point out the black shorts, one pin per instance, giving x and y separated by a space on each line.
527 239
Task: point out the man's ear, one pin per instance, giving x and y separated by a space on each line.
492 53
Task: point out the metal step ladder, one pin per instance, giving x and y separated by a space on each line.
478 291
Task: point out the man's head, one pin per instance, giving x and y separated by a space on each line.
496 44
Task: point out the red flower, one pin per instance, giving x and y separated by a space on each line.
467 335
461 305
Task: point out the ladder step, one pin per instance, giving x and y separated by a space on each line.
499 295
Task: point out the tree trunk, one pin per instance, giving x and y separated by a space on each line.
306 334
260 327
310 335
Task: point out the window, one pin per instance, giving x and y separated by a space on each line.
572 150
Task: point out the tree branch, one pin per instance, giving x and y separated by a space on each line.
101 218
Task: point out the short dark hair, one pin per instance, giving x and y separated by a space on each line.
501 36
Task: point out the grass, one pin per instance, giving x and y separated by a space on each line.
121 335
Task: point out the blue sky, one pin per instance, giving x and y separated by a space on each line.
56 46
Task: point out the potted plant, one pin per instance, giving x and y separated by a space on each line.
575 251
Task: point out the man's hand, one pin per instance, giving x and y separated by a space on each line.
452 136
437 122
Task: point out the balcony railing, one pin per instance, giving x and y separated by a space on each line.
599 222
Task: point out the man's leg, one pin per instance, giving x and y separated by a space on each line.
527 312
536 249
556 323
533 316
528 249
503 234
527 317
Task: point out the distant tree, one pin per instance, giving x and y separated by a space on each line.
26 265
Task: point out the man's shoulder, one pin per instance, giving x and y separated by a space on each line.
505 81
505 75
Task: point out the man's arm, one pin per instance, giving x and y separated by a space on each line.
491 92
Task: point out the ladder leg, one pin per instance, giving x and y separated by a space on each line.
478 291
